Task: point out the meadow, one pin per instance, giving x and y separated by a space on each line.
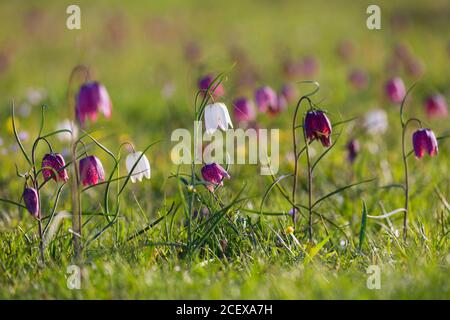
170 237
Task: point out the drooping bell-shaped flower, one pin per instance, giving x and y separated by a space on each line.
352 149
395 90
91 171
31 199
141 166
436 106
265 98
92 99
244 110
53 167
424 141
215 89
214 174
317 126
217 116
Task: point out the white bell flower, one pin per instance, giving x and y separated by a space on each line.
142 168
216 116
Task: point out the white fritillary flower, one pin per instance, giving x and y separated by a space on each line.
142 168
216 116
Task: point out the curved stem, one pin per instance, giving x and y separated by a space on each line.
36 187
294 139
308 161
405 166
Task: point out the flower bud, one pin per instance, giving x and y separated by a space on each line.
353 150
31 199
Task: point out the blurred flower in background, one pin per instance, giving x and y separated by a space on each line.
358 79
265 98
66 125
244 110
376 121
436 106
216 89
395 90
289 92
352 149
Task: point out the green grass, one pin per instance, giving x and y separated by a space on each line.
259 260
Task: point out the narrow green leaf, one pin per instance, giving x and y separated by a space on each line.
341 189
17 136
362 232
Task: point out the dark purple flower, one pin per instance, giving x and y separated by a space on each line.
289 92
31 199
53 167
395 90
91 171
424 140
265 98
205 82
358 78
213 173
244 110
92 99
317 126
436 106
353 150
